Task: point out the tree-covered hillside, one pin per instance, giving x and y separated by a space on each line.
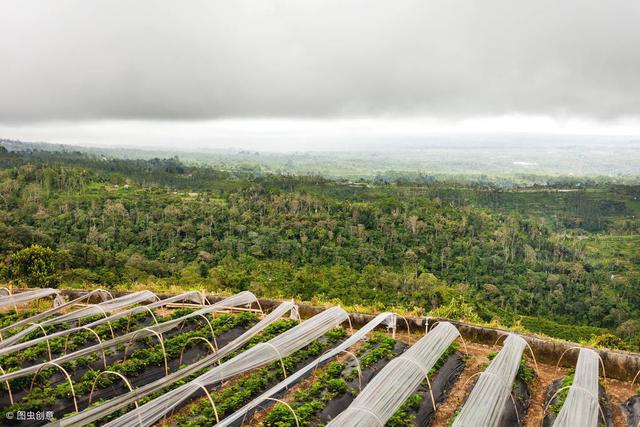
567 253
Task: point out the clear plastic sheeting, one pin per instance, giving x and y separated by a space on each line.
243 298
23 297
95 309
398 380
6 346
581 407
388 319
48 313
92 414
492 391
262 354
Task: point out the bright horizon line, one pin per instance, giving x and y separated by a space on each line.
292 134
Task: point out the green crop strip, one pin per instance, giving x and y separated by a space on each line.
270 331
136 363
331 383
233 397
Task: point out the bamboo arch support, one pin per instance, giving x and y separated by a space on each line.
533 356
259 306
595 399
464 342
8 386
184 347
273 399
360 408
9 293
284 371
354 357
213 404
406 322
295 417
206 319
126 381
159 336
635 378
513 400
47 340
203 299
155 320
95 381
604 374
104 355
100 290
106 316
64 371
426 376
350 325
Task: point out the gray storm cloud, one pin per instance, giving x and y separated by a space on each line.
71 60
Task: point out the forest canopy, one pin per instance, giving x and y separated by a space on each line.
539 256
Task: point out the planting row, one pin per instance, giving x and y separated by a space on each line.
143 363
194 367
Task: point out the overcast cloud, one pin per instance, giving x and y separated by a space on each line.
183 60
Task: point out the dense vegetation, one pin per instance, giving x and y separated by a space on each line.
565 252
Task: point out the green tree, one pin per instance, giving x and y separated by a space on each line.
35 266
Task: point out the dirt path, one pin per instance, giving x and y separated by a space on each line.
546 375
619 392
474 364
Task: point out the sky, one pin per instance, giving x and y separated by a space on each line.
290 73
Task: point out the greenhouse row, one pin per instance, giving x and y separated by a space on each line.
140 359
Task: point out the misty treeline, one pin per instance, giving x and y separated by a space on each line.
404 244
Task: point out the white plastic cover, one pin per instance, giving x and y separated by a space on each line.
90 415
102 308
388 319
23 297
581 407
9 345
243 298
485 403
397 381
275 349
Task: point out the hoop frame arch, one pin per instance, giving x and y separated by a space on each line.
595 399
426 376
95 381
8 386
635 378
533 356
160 339
268 344
213 404
47 340
513 401
113 334
184 347
604 374
155 320
64 371
104 354
295 417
